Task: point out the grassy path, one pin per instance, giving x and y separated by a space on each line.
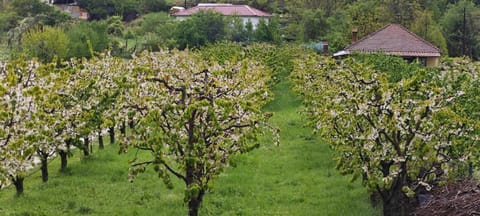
295 178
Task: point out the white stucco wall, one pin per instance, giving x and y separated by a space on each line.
181 18
254 20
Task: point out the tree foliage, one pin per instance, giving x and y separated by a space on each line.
128 9
426 27
87 37
193 116
47 108
45 43
461 26
154 5
402 135
202 28
268 31
19 88
35 8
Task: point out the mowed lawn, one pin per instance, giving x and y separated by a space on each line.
295 178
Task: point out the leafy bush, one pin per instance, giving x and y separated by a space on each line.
202 28
128 9
154 6
47 14
154 31
86 35
45 43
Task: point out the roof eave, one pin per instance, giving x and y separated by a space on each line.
341 53
396 53
187 15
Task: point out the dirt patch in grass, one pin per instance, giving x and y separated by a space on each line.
460 199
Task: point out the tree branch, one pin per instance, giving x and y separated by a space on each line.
165 83
177 174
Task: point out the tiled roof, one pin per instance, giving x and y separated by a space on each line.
394 39
225 9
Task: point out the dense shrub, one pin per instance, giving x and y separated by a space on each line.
45 43
87 37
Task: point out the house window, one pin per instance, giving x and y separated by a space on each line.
420 60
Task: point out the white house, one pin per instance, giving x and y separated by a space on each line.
245 12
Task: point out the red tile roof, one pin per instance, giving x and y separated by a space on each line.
225 9
395 40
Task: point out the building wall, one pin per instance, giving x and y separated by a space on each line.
254 20
433 61
74 10
181 18
83 14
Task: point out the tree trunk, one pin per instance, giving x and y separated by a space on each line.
193 172
44 168
111 131
86 146
100 140
131 123
63 159
194 200
18 182
91 146
123 129
194 205
470 170
397 205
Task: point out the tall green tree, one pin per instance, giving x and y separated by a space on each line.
328 6
366 16
461 27
426 27
201 28
47 14
148 6
268 31
156 31
128 9
26 8
339 31
403 12
238 32
313 25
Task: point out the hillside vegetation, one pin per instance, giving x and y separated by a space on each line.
128 26
133 112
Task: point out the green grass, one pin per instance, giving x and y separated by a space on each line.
295 178
97 185
4 51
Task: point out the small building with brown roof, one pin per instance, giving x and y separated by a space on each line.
245 12
74 10
396 40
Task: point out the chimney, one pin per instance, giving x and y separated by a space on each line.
325 48
354 35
